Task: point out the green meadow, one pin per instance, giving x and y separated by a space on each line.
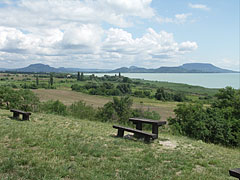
58 147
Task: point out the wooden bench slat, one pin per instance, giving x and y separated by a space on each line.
146 135
134 130
19 111
149 121
235 173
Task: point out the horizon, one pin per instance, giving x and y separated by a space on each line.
110 68
142 33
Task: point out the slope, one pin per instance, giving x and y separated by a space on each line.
56 147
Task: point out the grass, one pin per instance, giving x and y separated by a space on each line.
57 147
165 109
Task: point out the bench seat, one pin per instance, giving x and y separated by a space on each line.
16 113
146 135
235 173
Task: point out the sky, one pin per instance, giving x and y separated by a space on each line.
108 34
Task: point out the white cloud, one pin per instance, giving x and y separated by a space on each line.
178 18
199 6
181 18
90 42
70 33
84 39
188 46
45 13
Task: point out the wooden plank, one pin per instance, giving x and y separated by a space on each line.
235 173
148 121
19 111
135 131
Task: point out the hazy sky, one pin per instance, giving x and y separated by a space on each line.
116 33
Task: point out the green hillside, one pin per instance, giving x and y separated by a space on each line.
57 147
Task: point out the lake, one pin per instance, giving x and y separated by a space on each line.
209 80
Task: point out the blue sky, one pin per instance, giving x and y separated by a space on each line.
111 34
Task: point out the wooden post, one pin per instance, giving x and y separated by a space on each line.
120 133
15 115
155 129
25 117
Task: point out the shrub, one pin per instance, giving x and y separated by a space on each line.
118 110
81 110
21 99
162 95
124 88
55 107
219 123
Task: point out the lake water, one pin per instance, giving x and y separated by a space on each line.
209 80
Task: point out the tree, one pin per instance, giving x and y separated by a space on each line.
82 77
78 76
51 80
37 81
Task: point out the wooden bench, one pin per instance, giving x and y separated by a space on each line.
155 124
235 173
16 113
146 135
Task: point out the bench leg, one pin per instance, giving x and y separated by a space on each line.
155 130
147 139
138 127
25 117
15 115
120 133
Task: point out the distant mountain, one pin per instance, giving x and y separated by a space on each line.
185 68
42 68
37 68
204 67
3 69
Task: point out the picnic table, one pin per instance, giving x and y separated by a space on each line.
155 124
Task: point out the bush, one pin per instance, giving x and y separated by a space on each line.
55 107
20 99
219 123
81 110
162 95
118 110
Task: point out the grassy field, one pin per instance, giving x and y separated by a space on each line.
57 147
165 109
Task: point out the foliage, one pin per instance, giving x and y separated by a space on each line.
51 80
20 99
163 95
146 114
142 94
118 110
81 110
219 123
55 107
124 88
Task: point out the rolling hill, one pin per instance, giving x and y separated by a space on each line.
185 68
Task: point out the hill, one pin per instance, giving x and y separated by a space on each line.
185 68
42 68
57 147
